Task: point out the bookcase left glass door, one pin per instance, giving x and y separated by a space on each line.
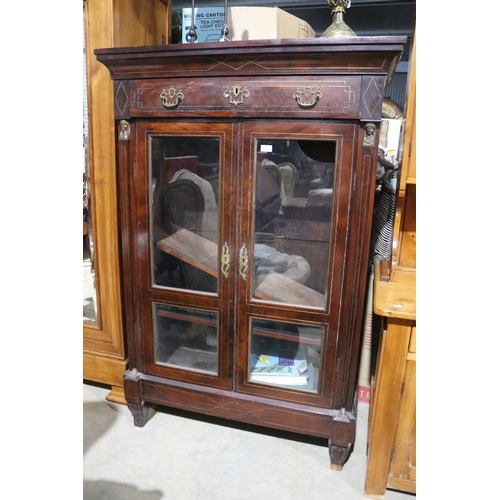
185 283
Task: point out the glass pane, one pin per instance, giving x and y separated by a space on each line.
89 278
292 220
186 338
185 214
285 354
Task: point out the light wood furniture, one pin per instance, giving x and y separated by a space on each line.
392 422
110 23
287 282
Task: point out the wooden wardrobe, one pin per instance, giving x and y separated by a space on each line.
114 23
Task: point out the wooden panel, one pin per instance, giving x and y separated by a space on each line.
409 167
108 371
372 95
408 235
413 340
103 369
251 409
337 97
403 464
141 22
269 57
384 412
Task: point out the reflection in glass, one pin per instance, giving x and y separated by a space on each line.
89 290
186 338
292 220
185 211
285 354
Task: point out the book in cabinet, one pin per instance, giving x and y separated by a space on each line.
257 244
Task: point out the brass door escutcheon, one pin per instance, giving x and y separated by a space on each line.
243 262
235 94
225 260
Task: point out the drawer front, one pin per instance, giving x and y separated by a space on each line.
280 97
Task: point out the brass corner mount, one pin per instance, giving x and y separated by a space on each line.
338 28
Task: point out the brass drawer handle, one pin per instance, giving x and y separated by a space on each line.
307 97
171 97
243 262
225 260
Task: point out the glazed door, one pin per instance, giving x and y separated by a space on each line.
183 246
293 216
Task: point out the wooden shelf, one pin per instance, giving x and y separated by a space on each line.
283 289
193 249
200 320
396 298
290 337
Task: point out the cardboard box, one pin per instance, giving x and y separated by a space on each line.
208 22
261 23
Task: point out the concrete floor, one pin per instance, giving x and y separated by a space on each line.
180 457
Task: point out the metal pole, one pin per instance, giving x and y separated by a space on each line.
192 36
225 29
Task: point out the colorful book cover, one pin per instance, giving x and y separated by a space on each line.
278 366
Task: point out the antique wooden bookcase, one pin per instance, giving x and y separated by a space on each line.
246 185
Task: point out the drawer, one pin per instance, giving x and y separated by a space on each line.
276 97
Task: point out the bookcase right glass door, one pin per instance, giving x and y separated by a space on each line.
293 275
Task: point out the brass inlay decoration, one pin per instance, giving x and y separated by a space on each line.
307 97
243 262
138 97
121 98
124 131
235 94
373 96
171 97
225 260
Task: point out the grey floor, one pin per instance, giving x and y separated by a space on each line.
176 457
